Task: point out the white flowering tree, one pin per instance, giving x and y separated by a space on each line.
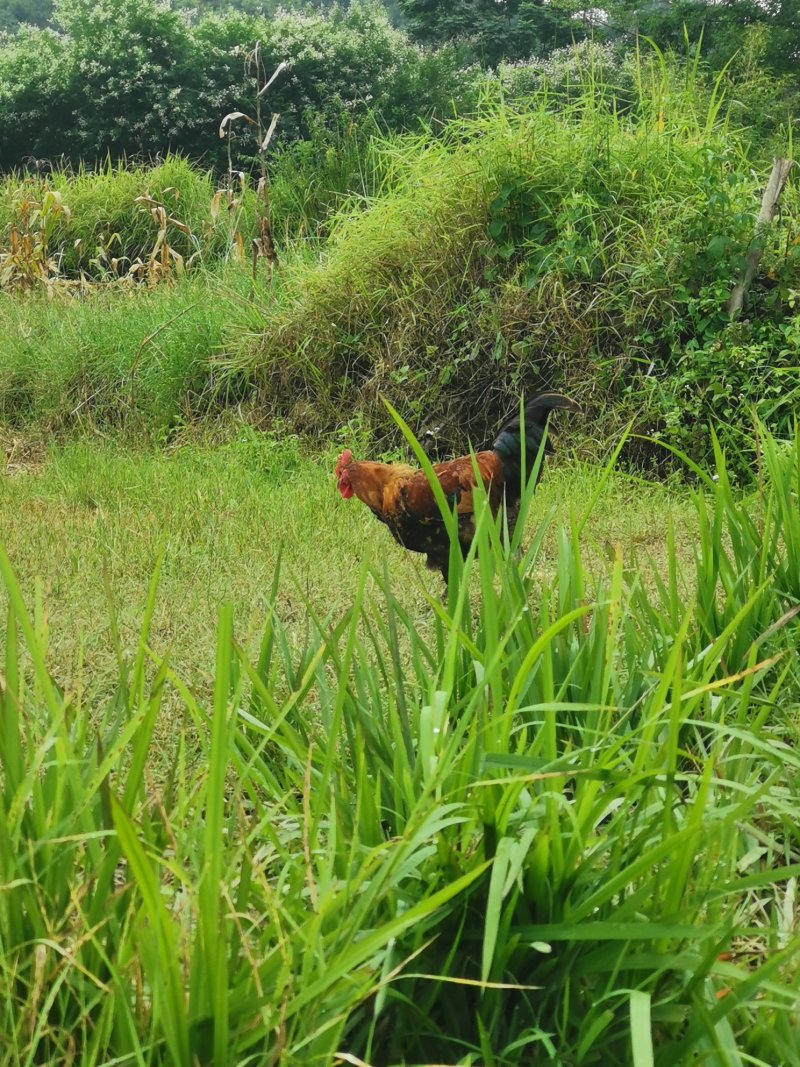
138 77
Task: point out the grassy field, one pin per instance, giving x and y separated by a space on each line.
89 518
330 818
267 796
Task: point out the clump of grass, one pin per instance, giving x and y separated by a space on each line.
582 247
143 360
102 224
559 824
309 179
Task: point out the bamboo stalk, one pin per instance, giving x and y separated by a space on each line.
769 201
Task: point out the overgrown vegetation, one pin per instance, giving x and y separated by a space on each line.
137 222
560 822
533 248
541 243
124 79
104 225
85 519
130 78
554 818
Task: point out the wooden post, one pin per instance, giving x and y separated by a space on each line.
769 201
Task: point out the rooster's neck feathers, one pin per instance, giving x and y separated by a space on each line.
377 484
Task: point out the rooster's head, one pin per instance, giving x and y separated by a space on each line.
343 483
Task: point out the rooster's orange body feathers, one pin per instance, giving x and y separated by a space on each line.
402 498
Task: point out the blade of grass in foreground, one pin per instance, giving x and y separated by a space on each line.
169 1007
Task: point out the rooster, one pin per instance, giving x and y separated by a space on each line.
401 496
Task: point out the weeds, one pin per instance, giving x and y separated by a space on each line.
117 357
105 226
562 823
28 263
584 248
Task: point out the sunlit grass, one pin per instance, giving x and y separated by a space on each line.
89 518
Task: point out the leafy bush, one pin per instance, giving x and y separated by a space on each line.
744 372
523 248
569 72
763 99
624 79
125 78
491 31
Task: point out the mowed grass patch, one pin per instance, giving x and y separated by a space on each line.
91 514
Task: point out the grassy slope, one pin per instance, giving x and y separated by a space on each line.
582 249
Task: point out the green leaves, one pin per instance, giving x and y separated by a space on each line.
557 816
134 77
157 942
641 1035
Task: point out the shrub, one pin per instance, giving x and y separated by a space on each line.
523 248
568 73
747 371
124 78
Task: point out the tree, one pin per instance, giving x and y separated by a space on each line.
495 29
29 12
134 77
722 24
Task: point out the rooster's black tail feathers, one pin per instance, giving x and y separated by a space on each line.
508 441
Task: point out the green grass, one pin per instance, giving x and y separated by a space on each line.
140 359
554 820
84 516
97 225
97 218
266 796
578 248
524 248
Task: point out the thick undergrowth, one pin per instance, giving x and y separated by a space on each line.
525 250
579 248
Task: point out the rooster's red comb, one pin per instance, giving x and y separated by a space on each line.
343 460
